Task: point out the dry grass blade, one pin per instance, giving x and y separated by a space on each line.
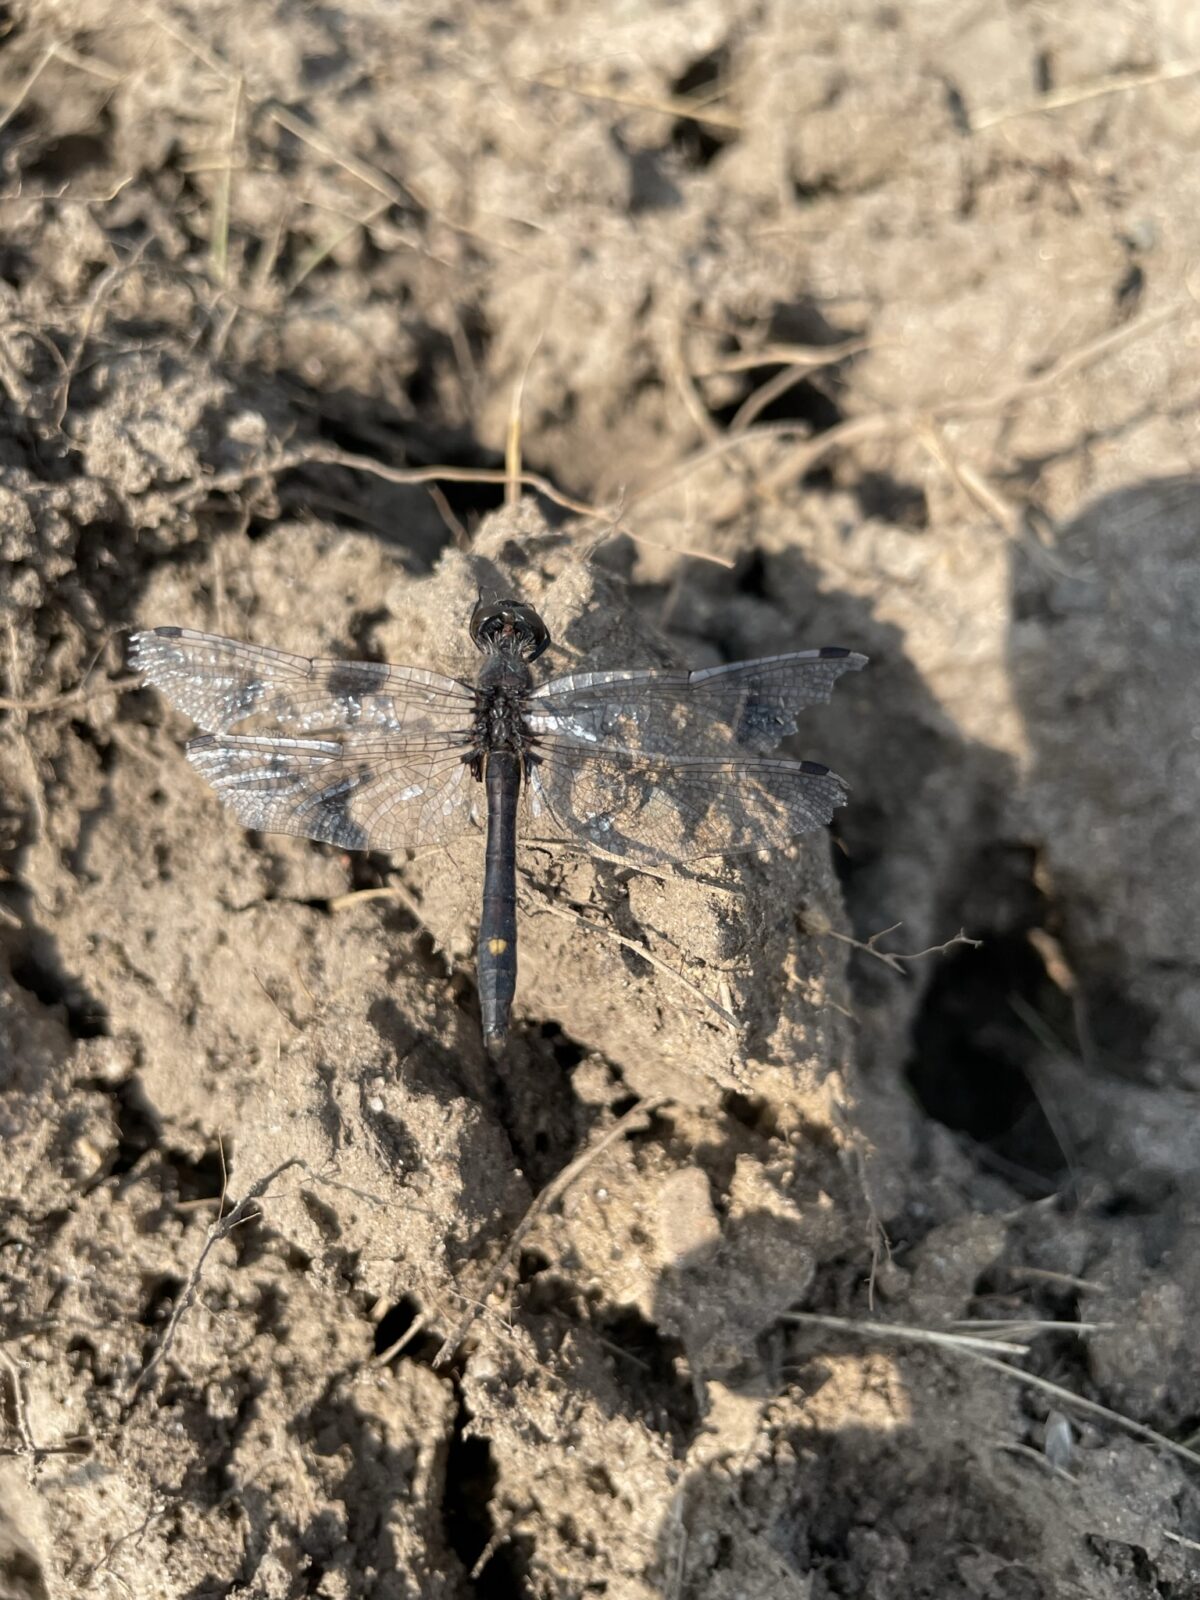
880 424
321 252
1077 94
553 1192
757 401
512 439
1027 1327
70 697
915 1335
415 1327
801 357
219 243
331 456
657 962
1178 1538
713 451
1067 1279
668 105
973 1350
354 897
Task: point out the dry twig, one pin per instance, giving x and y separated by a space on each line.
217 1231
816 923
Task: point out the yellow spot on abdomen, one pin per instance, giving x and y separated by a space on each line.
497 947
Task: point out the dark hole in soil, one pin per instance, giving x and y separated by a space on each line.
63 159
159 1302
137 1127
753 1113
973 1052
806 401
567 1052
655 1369
752 576
530 1264
697 143
197 1180
881 495
16 266
467 1514
396 1322
86 1017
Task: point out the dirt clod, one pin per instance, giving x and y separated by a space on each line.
716 329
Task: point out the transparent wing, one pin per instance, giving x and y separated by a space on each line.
220 683
746 705
652 809
362 792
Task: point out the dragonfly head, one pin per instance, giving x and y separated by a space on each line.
509 625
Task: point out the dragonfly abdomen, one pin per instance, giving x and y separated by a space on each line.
497 951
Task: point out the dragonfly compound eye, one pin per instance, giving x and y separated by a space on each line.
495 621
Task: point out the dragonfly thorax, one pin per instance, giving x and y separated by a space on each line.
502 686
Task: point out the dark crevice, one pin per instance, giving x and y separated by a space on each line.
890 499
195 1180
466 1500
568 1053
467 1520
807 401
751 1112
533 1099
158 1300
666 1395
652 1381
40 974
974 1054
138 1129
698 143
422 1347
70 156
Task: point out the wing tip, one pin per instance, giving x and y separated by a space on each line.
143 654
854 660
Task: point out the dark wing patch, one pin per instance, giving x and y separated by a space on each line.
628 804
360 792
220 683
744 706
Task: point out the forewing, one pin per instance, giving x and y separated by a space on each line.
364 791
649 809
745 705
220 683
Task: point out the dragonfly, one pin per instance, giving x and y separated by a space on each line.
654 767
